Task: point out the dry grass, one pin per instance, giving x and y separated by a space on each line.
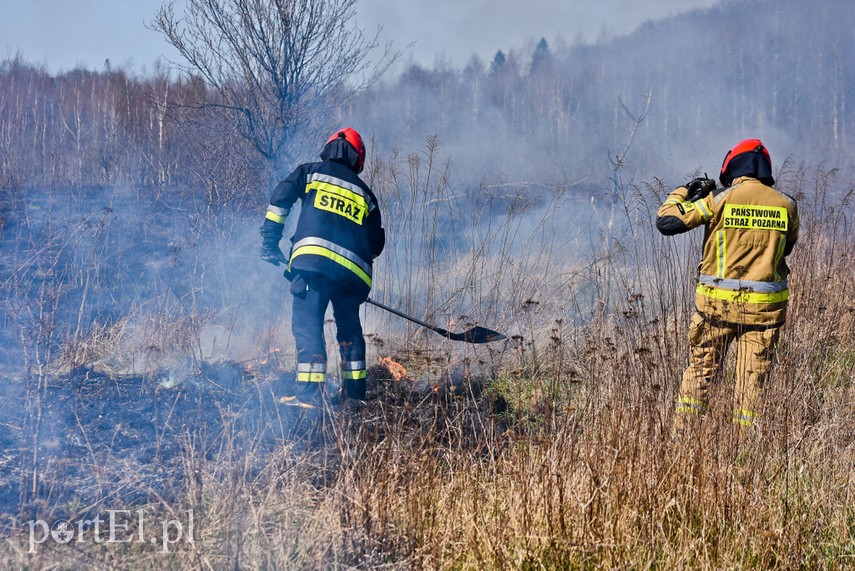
566 459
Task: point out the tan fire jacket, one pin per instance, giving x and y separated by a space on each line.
750 228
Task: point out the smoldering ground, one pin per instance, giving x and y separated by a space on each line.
142 335
144 344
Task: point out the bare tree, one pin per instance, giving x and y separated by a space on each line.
273 62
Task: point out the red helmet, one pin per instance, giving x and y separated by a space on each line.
352 137
747 146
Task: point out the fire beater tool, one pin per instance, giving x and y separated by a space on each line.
477 334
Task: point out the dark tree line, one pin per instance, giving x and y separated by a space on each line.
779 70
93 129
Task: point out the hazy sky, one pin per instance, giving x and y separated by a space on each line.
65 33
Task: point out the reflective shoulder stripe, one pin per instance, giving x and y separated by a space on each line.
742 296
720 197
336 253
340 183
673 201
743 285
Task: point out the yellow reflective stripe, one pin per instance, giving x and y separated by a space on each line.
312 377
357 198
275 217
340 183
744 417
690 405
705 212
721 249
743 296
337 258
354 374
335 248
673 201
779 253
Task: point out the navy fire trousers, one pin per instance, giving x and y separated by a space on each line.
312 295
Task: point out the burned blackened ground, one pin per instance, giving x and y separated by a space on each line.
130 441
99 437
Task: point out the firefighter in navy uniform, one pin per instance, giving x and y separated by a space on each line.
339 233
749 230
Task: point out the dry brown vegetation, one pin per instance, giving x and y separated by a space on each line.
553 451
143 346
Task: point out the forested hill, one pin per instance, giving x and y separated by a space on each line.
666 100
781 70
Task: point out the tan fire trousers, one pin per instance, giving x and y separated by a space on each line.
708 342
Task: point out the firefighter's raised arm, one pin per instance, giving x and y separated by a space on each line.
686 207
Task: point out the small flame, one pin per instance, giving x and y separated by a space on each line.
397 370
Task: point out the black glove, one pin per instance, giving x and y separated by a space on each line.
273 255
699 188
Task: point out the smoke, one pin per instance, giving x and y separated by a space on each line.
454 31
493 153
666 100
515 196
130 321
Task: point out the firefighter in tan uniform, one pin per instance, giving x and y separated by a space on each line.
749 230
